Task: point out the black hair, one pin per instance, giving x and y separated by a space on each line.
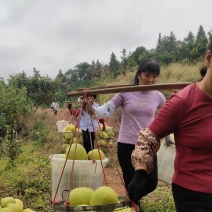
203 70
69 106
149 66
209 46
92 95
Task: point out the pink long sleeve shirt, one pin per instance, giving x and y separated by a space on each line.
138 111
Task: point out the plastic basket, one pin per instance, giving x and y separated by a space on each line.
85 174
166 155
62 124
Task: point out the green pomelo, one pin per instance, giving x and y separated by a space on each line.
80 196
70 128
20 203
96 154
99 132
80 154
64 129
80 139
110 134
78 130
5 210
28 210
64 147
15 207
66 141
102 142
7 200
68 135
108 128
110 143
103 135
104 195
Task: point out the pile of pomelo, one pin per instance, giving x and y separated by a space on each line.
11 204
105 137
84 196
77 152
71 134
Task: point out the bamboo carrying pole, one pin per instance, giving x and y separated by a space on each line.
101 87
129 88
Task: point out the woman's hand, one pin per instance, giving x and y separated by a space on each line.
136 187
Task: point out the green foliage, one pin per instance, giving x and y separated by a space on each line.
13 149
114 65
39 89
40 132
160 200
13 105
29 179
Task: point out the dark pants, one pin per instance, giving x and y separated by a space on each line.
55 112
124 157
191 201
87 142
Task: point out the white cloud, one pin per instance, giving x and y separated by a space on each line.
52 35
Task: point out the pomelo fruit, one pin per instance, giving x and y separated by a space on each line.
64 147
28 210
78 130
110 134
15 207
80 196
70 128
68 135
104 195
103 135
80 154
7 200
96 154
5 210
102 142
108 128
20 203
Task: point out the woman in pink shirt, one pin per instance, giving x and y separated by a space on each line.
138 111
187 114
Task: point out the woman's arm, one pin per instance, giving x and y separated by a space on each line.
104 110
146 147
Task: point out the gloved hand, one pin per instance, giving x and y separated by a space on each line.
103 127
136 187
169 141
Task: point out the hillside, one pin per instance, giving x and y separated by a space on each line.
28 176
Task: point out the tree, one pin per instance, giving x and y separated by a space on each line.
200 44
189 43
41 90
114 65
139 54
84 71
210 36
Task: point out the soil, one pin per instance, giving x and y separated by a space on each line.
114 181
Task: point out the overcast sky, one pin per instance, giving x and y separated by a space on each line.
59 34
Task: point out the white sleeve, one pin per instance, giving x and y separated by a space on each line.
105 110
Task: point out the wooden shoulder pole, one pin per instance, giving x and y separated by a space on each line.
130 88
